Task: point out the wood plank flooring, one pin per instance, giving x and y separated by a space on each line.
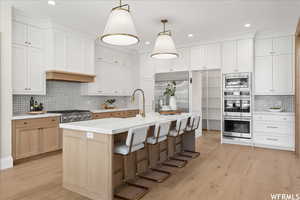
227 172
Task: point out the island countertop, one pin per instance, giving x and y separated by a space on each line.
119 125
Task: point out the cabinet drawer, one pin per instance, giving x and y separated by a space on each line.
273 118
270 127
132 113
37 123
102 115
118 114
281 141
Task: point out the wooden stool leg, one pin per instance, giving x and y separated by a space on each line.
171 161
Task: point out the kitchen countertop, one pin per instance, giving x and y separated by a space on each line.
274 113
113 110
118 125
28 116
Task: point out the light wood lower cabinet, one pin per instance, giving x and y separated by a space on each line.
35 136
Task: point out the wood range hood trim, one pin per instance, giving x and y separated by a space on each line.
56 75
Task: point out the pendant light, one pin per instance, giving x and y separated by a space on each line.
120 29
164 47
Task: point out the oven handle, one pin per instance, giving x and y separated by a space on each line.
247 119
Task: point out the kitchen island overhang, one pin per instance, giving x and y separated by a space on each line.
89 163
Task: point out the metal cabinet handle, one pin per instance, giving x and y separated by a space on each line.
25 123
272 139
272 127
53 120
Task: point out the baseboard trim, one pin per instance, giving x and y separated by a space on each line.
6 162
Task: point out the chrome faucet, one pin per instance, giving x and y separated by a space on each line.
132 99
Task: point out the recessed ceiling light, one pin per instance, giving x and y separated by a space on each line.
51 2
247 25
190 35
147 42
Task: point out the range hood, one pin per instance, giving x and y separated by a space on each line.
56 75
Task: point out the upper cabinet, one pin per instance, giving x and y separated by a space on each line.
116 74
70 51
28 59
206 57
237 56
181 63
274 46
274 66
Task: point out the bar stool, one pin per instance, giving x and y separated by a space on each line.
161 132
179 130
191 127
135 141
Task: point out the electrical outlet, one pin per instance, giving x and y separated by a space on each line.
90 135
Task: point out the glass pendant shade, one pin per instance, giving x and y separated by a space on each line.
120 29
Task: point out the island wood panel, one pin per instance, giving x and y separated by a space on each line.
87 164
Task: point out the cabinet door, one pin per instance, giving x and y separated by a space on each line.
283 45
50 139
35 37
162 66
36 71
147 66
245 55
263 75
283 74
229 64
89 57
75 54
198 57
19 69
264 47
27 142
59 50
213 56
181 63
19 33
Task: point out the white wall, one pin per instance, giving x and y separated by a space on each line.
5 85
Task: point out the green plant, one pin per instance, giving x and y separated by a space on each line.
170 89
110 101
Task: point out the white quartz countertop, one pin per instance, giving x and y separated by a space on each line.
118 125
112 110
28 116
274 113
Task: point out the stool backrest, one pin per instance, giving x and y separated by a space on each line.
181 124
162 129
136 136
195 121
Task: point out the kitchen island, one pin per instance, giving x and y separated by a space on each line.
90 167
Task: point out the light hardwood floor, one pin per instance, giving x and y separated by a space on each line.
227 172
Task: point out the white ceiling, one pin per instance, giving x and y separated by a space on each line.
208 20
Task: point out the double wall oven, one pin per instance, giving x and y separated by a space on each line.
237 108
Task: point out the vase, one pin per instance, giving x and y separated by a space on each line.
172 103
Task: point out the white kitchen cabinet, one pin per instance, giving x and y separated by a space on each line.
198 58
274 46
206 57
237 56
74 54
19 34
70 51
147 66
274 71
182 63
263 75
28 70
274 130
115 74
162 66
229 57
28 61
283 74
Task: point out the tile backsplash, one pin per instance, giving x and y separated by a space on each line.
63 96
264 102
